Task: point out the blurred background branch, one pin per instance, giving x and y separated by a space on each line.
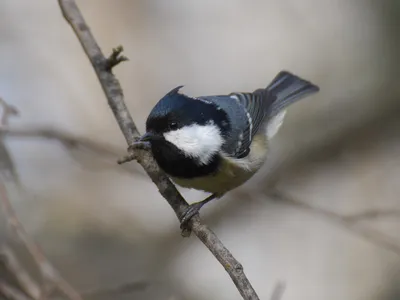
50 276
97 149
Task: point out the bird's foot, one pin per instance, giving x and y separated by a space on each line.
189 213
193 210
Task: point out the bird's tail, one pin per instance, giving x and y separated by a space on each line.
287 88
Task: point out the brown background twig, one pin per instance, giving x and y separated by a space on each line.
11 292
50 275
114 94
15 267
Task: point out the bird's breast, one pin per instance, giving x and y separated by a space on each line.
232 172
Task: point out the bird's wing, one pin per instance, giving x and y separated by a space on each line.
242 110
256 106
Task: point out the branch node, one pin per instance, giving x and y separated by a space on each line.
239 267
131 152
115 58
127 158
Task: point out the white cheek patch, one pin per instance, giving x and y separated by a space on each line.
197 141
274 124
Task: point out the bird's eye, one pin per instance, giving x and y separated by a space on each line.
173 126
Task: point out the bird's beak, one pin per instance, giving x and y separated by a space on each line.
148 136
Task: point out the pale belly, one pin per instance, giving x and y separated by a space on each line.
232 172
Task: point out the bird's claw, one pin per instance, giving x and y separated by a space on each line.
141 145
193 209
189 213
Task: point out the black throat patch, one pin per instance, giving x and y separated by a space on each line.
175 163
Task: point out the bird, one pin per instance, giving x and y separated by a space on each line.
217 143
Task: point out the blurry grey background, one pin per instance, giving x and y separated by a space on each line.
337 155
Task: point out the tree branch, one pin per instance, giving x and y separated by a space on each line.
11 293
114 94
49 273
24 279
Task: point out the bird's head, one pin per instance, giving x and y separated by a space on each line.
185 132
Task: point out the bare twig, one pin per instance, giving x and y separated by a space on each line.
114 94
109 83
11 293
49 273
24 279
47 270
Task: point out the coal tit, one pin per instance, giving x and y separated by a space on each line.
216 143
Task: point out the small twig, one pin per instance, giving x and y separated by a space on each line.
114 94
49 273
12 263
115 58
126 158
132 152
47 270
11 293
